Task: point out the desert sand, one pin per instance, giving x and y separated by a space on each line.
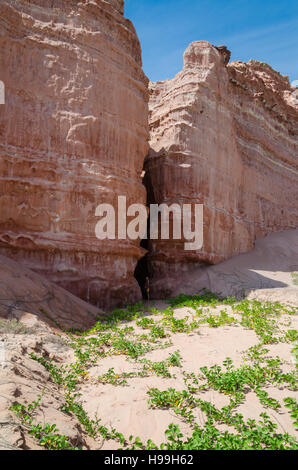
267 272
125 406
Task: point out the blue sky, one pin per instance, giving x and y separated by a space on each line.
252 29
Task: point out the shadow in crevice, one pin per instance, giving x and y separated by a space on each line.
141 272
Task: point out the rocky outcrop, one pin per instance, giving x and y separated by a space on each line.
224 136
117 4
24 292
73 135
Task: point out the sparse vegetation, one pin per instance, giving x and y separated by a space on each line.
120 335
15 327
295 278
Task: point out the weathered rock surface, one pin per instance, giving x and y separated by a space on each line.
224 136
73 135
117 4
28 296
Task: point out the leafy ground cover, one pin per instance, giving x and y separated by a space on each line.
138 330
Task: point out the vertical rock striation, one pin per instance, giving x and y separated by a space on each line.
225 136
73 135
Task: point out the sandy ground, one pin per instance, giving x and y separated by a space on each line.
126 408
267 273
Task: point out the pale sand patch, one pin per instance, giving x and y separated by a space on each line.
126 408
211 346
120 363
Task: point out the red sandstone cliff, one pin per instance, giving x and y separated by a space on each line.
224 136
73 134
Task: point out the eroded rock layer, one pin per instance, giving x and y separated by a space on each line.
73 135
225 136
24 292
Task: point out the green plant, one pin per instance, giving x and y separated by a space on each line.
292 404
111 377
48 435
145 322
295 278
291 336
157 331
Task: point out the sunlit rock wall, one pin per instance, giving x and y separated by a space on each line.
73 135
224 136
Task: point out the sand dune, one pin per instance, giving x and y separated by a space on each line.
267 272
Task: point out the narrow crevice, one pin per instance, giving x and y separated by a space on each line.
142 272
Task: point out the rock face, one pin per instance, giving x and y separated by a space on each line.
73 135
224 136
117 4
